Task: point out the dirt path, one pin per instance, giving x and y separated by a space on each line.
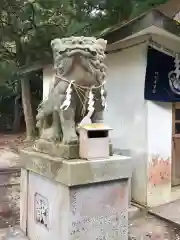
146 227
12 141
143 227
10 178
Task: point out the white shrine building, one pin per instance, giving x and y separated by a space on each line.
144 103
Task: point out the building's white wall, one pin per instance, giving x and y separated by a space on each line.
48 74
159 130
126 111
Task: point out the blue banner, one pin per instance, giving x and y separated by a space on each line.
162 82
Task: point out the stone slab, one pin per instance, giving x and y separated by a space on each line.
77 171
23 199
60 150
99 212
169 212
94 211
57 150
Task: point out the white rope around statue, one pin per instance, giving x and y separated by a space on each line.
87 118
103 99
67 100
77 85
79 90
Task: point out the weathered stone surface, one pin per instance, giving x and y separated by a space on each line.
58 150
61 150
100 211
77 171
93 211
74 199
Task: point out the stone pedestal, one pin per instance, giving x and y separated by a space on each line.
60 150
74 199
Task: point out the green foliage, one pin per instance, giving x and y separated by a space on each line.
102 14
144 5
27 27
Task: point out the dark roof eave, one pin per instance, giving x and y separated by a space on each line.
142 22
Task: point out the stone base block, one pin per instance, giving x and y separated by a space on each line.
77 199
58 150
87 212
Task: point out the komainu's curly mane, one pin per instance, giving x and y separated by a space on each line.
81 51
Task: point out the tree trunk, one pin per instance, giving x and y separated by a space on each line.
17 116
27 107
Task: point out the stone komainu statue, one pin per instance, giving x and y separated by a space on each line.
77 92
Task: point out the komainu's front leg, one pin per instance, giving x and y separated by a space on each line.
56 125
99 108
67 119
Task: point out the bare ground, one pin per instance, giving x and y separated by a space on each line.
13 141
142 227
146 226
10 180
